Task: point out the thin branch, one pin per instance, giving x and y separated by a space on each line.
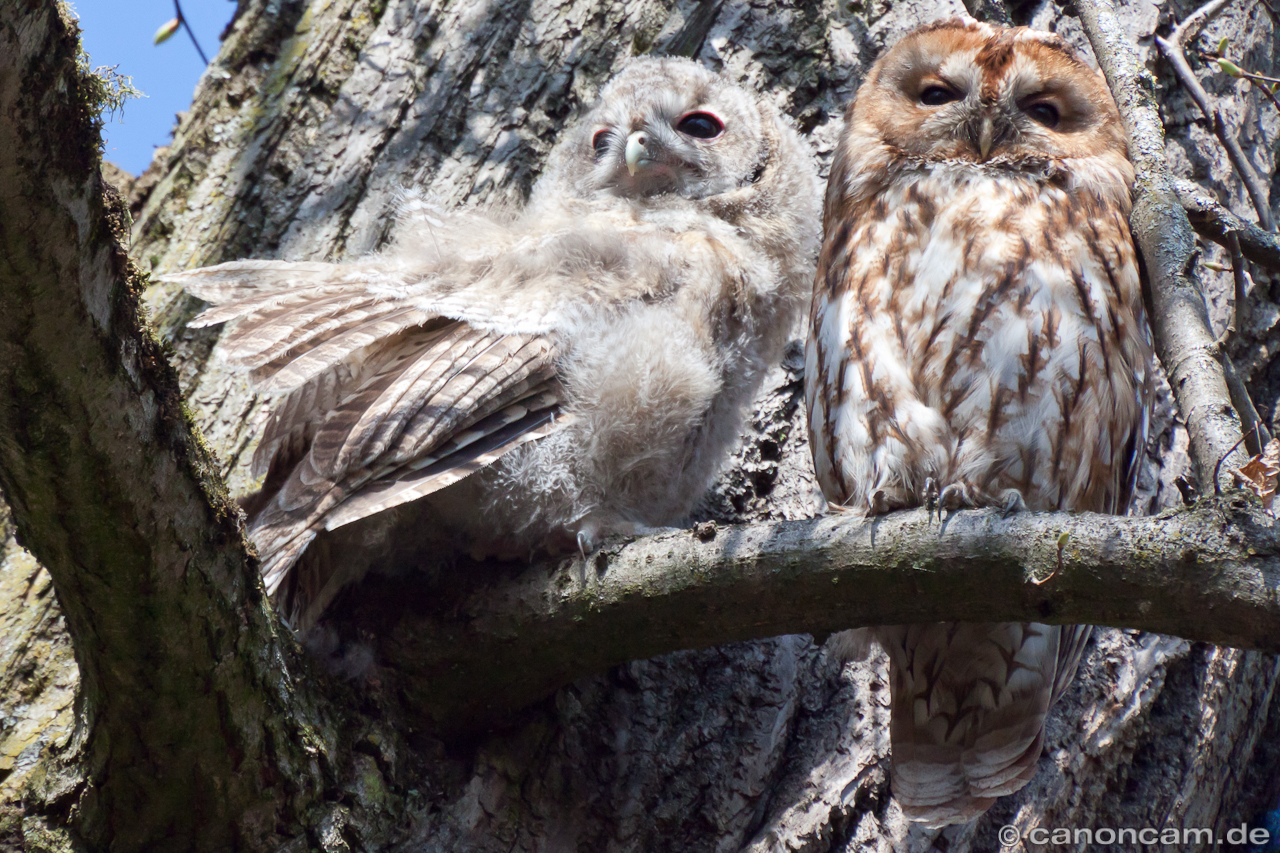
1172 49
182 19
1206 573
1214 222
1184 340
1242 285
1256 435
1195 23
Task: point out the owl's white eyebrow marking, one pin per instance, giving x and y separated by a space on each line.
959 71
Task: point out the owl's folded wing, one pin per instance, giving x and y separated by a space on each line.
438 410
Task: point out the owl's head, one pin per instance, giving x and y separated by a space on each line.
959 90
671 128
668 138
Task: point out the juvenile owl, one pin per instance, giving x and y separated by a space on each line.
572 371
977 331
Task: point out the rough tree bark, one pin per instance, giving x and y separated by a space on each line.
301 133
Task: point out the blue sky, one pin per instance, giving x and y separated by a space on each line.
119 32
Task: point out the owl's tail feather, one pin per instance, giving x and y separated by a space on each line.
1071 646
969 704
937 784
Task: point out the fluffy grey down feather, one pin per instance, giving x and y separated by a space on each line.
571 371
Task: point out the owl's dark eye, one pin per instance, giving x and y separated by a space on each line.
600 142
936 96
1046 114
700 126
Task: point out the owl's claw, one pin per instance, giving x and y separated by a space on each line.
1013 502
955 496
585 545
878 502
931 498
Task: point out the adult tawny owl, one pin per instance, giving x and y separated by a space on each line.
598 346
978 328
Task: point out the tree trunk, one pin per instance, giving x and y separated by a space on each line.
302 132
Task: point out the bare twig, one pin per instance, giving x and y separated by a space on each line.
1172 50
1256 435
1214 222
1195 23
1242 286
1180 320
1217 470
182 19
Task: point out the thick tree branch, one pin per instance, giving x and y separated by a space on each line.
1179 319
188 708
1209 573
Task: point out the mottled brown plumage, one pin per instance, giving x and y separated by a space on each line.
978 336
581 366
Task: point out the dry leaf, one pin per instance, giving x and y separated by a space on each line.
1261 474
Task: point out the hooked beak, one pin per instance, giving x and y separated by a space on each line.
986 136
637 154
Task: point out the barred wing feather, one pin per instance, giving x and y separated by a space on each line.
388 400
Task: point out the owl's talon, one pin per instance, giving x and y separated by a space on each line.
953 497
585 545
931 497
878 502
1013 502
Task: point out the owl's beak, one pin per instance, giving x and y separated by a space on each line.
988 130
986 136
637 153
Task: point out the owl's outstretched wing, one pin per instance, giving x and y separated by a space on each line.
387 399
